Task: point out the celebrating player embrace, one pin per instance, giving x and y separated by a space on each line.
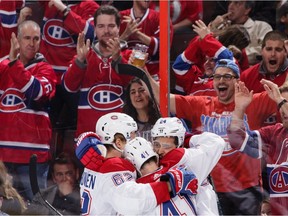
113 177
108 187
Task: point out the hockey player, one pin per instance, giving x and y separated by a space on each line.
268 142
26 85
142 156
91 73
110 188
140 153
168 135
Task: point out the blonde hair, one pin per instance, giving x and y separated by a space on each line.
6 188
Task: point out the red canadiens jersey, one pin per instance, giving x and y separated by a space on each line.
275 144
25 125
251 77
59 34
101 89
208 114
203 87
8 23
271 143
180 10
149 25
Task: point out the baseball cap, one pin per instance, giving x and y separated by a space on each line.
228 63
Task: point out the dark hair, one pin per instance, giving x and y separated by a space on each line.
273 35
250 4
63 159
236 35
130 110
282 11
108 10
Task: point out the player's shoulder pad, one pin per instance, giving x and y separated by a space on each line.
116 165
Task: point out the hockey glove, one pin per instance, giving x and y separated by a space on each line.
90 151
181 182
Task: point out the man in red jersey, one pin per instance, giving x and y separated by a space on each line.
27 83
269 142
274 64
236 176
273 67
92 74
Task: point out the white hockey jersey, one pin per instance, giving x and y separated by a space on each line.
112 190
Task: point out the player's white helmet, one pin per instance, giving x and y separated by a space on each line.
110 124
169 126
138 151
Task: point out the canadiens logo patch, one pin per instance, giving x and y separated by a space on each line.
105 97
55 34
12 101
278 179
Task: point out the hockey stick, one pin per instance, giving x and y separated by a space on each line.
131 70
34 182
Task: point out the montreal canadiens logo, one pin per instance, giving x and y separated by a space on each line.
12 101
278 179
105 97
55 34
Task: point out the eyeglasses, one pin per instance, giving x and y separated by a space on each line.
226 77
158 145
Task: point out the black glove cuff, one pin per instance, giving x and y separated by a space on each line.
164 178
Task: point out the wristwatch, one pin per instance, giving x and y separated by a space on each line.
281 103
66 11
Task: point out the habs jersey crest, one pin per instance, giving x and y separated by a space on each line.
12 100
55 34
278 179
105 97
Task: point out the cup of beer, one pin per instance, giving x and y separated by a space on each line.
140 51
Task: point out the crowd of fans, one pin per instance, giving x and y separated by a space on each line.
59 73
